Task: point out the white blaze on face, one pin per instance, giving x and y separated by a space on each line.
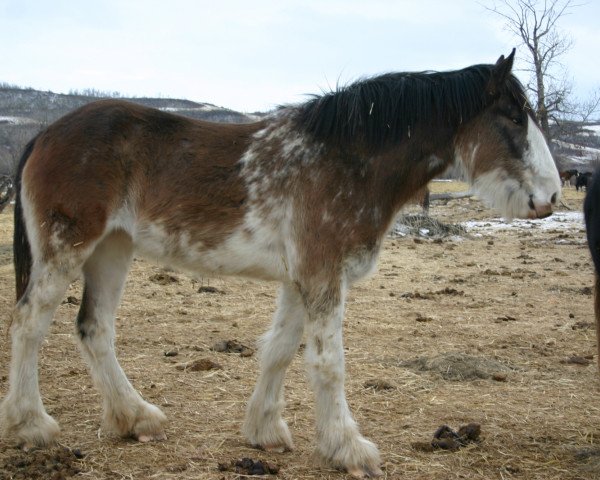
545 180
539 185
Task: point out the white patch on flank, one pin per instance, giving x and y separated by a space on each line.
257 249
152 240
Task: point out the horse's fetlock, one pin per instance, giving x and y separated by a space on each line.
267 430
27 427
351 452
140 420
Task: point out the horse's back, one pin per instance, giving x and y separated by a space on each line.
133 167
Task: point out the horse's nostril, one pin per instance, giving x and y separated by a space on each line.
553 198
531 204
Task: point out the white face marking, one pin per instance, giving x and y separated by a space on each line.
539 184
545 180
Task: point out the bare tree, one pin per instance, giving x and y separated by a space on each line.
586 109
535 22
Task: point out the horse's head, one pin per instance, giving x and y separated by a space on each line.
505 153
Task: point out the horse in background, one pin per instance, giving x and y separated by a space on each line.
582 180
304 197
566 177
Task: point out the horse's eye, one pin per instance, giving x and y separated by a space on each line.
517 120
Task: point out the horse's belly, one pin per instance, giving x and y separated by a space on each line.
240 253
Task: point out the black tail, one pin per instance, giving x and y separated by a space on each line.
21 247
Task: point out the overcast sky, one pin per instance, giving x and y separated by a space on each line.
255 55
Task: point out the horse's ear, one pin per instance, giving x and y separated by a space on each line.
500 73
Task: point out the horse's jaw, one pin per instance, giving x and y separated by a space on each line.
529 198
528 187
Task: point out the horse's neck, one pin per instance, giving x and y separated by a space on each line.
404 170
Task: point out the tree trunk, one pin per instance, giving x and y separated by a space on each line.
541 110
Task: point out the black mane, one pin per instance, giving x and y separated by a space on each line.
380 111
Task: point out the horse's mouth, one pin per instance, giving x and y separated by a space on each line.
545 215
540 212
543 210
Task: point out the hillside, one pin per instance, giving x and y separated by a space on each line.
23 112
578 146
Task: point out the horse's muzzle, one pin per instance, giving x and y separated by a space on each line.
540 211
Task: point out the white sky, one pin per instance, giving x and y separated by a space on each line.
254 55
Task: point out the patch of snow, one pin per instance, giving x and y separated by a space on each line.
574 146
202 108
594 129
558 221
583 161
16 120
254 118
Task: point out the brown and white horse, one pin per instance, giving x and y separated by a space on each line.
304 197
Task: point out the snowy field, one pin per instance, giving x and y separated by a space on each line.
559 221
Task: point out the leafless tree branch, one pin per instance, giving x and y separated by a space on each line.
536 24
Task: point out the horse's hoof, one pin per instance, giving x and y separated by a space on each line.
277 448
28 447
364 472
145 438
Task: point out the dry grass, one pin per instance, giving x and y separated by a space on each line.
519 300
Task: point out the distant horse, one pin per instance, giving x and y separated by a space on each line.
582 180
566 176
304 197
7 191
591 211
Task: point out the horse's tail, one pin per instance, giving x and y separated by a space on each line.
21 246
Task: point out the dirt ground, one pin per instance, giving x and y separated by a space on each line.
495 329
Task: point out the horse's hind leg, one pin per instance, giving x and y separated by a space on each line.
264 426
22 413
104 274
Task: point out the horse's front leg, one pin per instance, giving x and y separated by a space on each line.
264 427
339 440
